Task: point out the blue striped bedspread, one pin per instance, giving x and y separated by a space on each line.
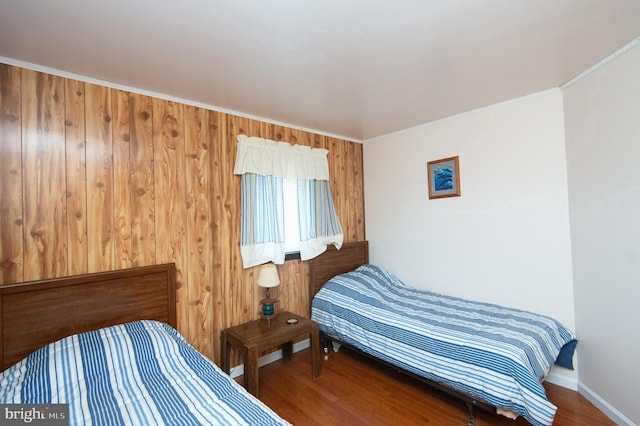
138 373
492 353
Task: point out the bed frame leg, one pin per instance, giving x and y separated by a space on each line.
324 344
471 421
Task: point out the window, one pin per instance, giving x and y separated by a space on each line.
286 201
291 220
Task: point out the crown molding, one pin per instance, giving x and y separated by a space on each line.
624 49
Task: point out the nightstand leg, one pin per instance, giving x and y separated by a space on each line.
287 350
315 350
225 349
251 370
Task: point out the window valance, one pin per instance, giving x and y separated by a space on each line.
280 159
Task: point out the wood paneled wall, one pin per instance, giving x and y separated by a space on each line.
95 179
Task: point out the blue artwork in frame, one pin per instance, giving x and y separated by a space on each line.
444 178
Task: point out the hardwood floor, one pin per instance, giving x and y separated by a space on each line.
353 390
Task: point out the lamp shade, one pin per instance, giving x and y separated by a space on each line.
268 276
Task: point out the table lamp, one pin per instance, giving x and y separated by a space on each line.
268 278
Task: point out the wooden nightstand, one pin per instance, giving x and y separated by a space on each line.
256 336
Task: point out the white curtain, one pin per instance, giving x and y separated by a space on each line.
270 158
263 164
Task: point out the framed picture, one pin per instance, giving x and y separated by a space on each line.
444 178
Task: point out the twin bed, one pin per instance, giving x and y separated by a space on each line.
106 344
487 355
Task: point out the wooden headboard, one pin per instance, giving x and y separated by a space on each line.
335 262
36 313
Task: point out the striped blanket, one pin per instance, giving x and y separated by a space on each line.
138 373
492 353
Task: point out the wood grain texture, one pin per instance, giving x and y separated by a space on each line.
241 293
101 179
199 217
121 181
355 193
11 223
36 313
143 212
220 278
169 178
76 177
43 176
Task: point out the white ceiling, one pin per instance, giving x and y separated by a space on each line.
351 68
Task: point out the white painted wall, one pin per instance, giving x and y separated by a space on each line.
602 116
506 240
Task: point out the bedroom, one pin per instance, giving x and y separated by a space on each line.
571 272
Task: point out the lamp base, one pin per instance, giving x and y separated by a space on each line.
268 318
268 306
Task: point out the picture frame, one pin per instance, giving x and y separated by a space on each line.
444 178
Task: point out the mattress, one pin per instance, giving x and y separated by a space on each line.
492 353
138 373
